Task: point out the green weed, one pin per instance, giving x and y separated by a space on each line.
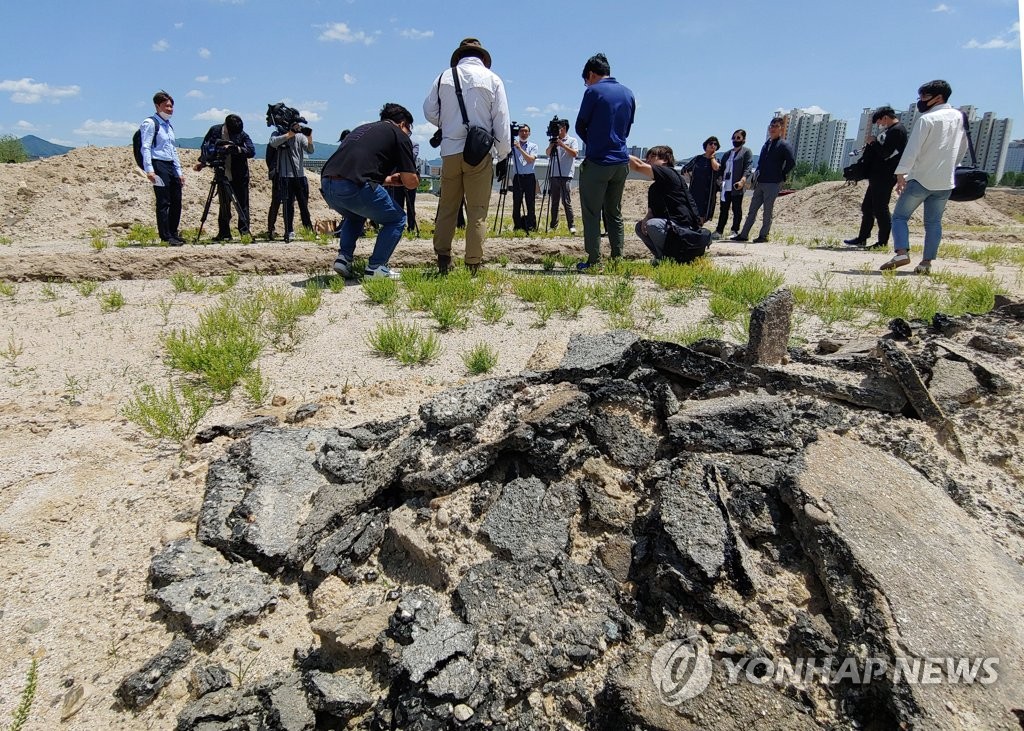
111 301
492 310
692 333
12 350
6 241
8 289
405 343
85 287
49 292
187 282
480 359
28 694
173 414
257 388
380 290
140 235
228 282
449 314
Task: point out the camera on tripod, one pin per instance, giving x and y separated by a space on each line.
555 128
286 119
514 129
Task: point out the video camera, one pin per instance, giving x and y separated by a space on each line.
286 118
514 129
555 128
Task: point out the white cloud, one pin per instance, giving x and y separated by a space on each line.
204 79
555 108
195 94
942 8
204 53
27 91
25 126
813 109
107 128
179 25
318 105
533 110
213 114
161 46
416 35
310 116
1010 38
341 32
349 78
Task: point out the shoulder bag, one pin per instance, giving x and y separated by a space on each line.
969 181
479 141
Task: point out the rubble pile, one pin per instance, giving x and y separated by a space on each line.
519 554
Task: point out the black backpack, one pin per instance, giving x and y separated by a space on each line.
137 141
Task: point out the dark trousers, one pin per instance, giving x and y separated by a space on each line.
875 207
559 186
524 186
168 200
241 189
295 190
733 200
275 203
405 198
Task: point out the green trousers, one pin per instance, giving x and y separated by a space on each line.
601 189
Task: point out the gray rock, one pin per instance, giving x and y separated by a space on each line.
208 678
953 382
302 413
208 592
457 680
559 412
689 514
770 326
684 362
336 694
467 404
629 439
606 354
447 638
139 688
935 585
988 377
284 698
454 469
354 541
530 520
871 390
228 709
409 555
989 344
237 430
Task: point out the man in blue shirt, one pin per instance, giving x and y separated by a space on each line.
776 160
603 123
163 168
524 182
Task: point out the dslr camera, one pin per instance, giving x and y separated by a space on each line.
514 129
286 118
554 128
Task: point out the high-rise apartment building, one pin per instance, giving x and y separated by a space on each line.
817 139
1014 157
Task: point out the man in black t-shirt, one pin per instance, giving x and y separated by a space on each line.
353 179
670 207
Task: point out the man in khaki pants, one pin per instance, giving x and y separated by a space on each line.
486 105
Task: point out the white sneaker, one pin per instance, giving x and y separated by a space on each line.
900 260
343 267
572 230
381 271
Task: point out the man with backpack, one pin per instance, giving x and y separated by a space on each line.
672 227
158 157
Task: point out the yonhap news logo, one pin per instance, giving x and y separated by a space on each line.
681 669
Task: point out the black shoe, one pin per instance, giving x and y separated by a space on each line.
738 237
759 240
444 263
175 242
222 237
855 241
878 246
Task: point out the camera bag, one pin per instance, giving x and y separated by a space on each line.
137 141
479 141
969 181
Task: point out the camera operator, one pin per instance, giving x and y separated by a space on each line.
227 147
524 181
560 171
292 145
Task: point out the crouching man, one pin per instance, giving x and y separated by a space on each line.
672 227
353 180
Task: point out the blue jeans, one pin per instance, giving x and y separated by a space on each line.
357 203
934 205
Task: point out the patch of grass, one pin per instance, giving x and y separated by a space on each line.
173 414
336 284
614 298
829 306
165 305
6 241
725 308
449 313
12 350
747 285
989 256
651 311
380 290
283 312
257 388
111 301
8 289
49 292
692 333
893 297
187 282
969 294
548 262
221 347
228 282
85 287
28 694
492 310
140 235
503 260
405 343
481 358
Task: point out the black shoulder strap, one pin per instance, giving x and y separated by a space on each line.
970 142
156 126
458 93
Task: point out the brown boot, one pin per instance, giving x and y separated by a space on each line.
444 263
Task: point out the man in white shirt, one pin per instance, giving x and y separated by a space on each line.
486 106
524 181
561 154
925 173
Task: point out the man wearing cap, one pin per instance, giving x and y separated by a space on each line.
486 106
776 160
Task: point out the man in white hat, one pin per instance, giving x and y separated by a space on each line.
486 106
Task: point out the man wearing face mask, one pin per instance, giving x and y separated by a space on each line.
524 183
163 168
885 153
735 170
924 175
227 146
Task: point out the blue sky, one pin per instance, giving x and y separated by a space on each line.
85 73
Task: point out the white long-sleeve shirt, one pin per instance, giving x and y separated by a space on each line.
486 106
937 143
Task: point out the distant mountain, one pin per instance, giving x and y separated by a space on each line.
321 150
37 147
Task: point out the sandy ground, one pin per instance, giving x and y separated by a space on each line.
86 497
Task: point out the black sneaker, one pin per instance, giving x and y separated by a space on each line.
738 237
855 241
444 263
758 240
175 241
878 246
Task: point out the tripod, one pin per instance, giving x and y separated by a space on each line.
499 211
220 181
546 188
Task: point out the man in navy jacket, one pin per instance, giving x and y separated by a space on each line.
776 160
